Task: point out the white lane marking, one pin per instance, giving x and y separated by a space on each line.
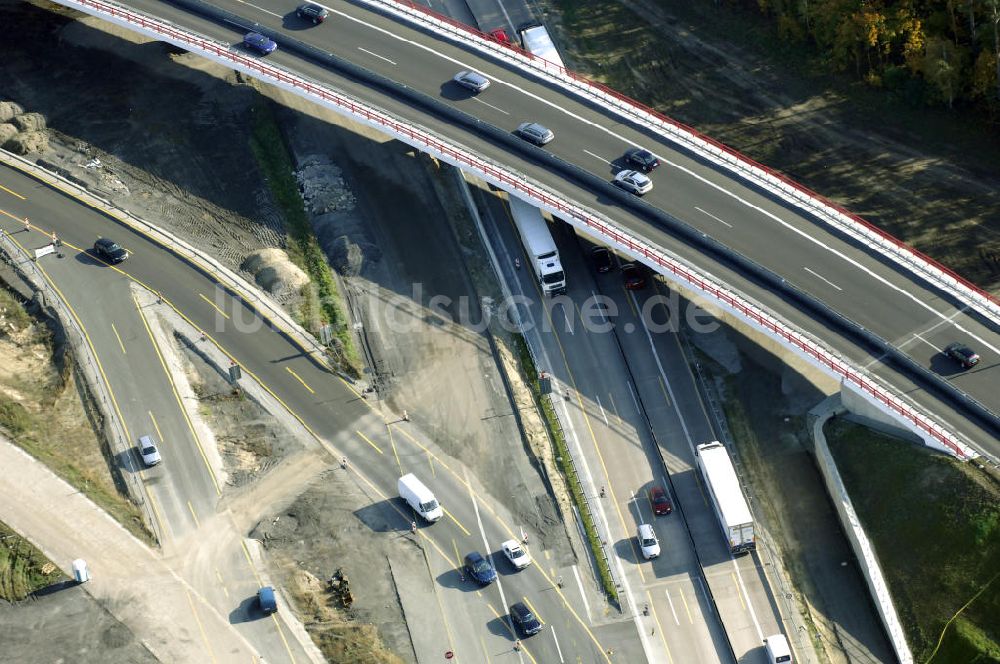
634 400
495 108
579 584
819 276
601 406
726 223
259 8
597 156
507 16
671 603
704 591
702 179
558 649
380 57
746 596
482 531
599 306
917 336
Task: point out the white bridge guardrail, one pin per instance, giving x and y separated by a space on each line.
792 192
923 424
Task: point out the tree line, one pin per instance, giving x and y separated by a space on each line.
931 51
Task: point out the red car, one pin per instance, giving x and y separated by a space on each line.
661 504
634 277
499 36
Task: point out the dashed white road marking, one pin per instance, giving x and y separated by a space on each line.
380 57
819 276
724 223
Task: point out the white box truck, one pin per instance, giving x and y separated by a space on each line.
538 243
535 39
727 496
419 497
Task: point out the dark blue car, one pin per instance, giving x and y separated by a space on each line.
259 43
480 569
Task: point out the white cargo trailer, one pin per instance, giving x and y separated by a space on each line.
539 245
727 496
535 39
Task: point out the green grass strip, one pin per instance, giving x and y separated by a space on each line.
322 303
565 462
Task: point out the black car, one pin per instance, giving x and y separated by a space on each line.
644 160
634 276
602 259
110 251
527 623
962 354
480 569
312 12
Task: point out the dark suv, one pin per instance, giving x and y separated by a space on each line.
527 623
312 12
962 354
110 251
644 160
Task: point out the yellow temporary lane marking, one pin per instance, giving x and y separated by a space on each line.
394 452
631 302
177 397
447 625
659 628
687 609
299 378
457 523
367 440
737 585
201 628
119 338
86 335
281 633
510 533
159 436
156 512
13 193
430 462
191 509
506 623
663 388
222 583
482 645
214 306
533 609
360 397
458 558
246 554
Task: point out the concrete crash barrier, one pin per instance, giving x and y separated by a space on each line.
789 191
867 561
925 425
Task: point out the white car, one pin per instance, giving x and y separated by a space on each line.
516 554
147 450
633 181
647 542
472 80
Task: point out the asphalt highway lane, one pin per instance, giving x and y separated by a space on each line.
862 287
378 449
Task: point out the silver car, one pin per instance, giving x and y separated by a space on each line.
472 80
147 450
633 181
535 133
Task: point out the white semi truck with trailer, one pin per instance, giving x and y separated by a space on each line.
535 39
726 495
538 243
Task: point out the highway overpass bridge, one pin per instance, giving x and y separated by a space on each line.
855 304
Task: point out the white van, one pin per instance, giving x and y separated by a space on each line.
419 497
777 648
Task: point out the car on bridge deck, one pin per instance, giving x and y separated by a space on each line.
640 159
534 133
310 11
472 80
962 354
633 181
258 42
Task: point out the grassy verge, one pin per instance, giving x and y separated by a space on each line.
321 304
564 460
48 419
935 525
23 568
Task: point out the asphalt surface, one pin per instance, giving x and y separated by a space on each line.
697 593
378 450
898 308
